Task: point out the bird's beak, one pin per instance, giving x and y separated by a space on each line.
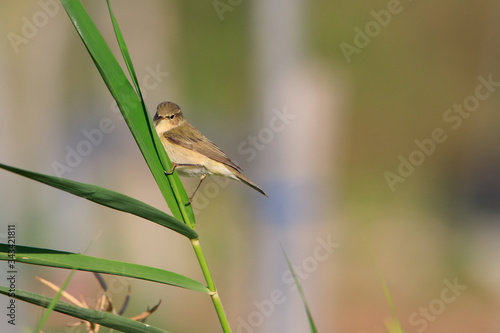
157 118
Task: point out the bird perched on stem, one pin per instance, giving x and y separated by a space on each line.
191 153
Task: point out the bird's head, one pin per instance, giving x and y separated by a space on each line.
168 115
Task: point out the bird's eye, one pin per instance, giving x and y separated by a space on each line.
171 117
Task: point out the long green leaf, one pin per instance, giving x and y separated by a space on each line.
68 260
395 324
136 117
312 326
108 198
125 53
105 319
130 66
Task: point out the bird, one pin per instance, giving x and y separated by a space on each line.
191 153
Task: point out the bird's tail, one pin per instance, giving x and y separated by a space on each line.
249 183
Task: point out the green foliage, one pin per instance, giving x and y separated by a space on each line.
109 199
68 260
133 111
312 326
53 303
393 325
102 318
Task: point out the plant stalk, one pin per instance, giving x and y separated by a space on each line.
214 294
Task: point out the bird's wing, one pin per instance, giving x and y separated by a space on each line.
187 136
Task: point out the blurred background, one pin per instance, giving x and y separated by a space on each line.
372 125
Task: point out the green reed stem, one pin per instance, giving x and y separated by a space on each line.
214 294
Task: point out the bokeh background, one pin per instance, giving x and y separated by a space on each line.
322 103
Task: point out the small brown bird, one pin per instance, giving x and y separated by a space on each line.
191 153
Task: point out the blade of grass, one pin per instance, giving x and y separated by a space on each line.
130 66
108 198
312 326
396 324
132 110
125 54
68 260
53 303
105 319
128 61
60 292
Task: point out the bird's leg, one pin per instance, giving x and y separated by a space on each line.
171 172
196 189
